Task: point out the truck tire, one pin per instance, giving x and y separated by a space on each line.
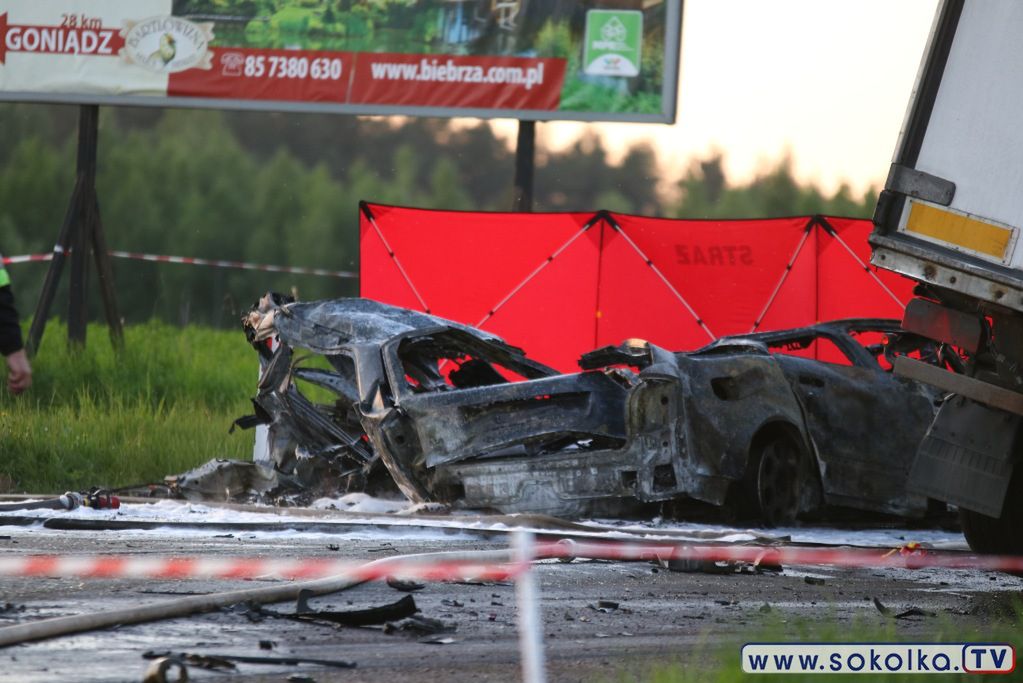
1002 535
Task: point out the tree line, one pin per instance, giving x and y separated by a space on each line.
284 189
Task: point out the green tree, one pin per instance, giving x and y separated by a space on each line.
706 193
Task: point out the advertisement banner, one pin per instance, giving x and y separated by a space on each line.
594 60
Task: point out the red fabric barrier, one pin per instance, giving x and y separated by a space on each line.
560 284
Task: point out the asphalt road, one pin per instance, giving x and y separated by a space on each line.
662 616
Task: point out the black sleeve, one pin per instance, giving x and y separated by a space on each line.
10 330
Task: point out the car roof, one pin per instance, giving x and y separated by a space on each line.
331 325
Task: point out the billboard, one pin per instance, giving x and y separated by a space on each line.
594 60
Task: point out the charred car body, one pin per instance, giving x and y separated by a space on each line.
456 415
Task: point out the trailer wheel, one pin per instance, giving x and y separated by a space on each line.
1002 535
773 480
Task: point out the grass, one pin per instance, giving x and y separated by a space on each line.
718 660
95 417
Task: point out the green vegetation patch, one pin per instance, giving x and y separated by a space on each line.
96 417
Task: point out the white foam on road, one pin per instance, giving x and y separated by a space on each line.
402 519
884 537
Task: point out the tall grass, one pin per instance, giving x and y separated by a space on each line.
96 417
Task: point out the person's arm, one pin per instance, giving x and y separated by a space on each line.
19 371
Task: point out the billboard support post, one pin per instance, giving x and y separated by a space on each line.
80 233
525 156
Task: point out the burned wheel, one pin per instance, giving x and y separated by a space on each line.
775 480
1002 535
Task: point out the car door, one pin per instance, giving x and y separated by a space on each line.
866 425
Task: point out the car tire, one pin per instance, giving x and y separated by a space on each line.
997 535
774 480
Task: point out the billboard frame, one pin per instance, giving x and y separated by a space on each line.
669 97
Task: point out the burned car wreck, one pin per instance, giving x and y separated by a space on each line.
453 414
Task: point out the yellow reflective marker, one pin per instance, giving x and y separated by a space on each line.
5 279
958 229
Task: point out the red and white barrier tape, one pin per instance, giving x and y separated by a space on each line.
151 567
194 261
156 567
25 258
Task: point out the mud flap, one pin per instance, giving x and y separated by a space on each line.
967 456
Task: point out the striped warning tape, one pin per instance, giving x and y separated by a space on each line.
194 261
26 258
156 567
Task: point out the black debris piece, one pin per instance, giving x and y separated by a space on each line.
405 607
209 662
10 610
915 612
227 662
605 606
419 625
403 585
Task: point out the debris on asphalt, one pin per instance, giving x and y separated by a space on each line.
209 662
689 566
231 481
882 608
403 585
9 610
165 670
438 640
915 612
814 580
419 625
371 616
608 606
219 662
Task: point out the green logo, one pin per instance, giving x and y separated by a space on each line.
613 42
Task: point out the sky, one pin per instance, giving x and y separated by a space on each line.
824 81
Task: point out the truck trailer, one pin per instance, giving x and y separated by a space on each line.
950 217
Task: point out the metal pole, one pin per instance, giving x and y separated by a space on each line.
525 155
49 291
81 237
105 276
527 601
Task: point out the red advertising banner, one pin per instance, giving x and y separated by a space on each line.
286 75
614 60
446 81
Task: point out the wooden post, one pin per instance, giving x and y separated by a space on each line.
525 155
